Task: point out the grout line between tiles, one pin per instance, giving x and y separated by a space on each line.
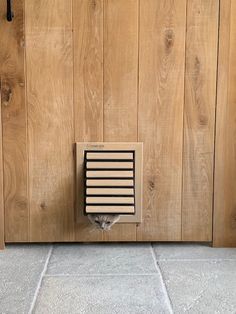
40 280
99 275
167 297
195 260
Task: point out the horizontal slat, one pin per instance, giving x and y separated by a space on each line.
111 174
110 200
109 191
110 165
110 209
105 155
107 182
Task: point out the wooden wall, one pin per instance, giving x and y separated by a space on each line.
225 161
14 124
199 119
117 70
2 237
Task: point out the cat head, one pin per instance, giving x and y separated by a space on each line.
103 222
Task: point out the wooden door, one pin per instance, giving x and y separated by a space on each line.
225 160
109 70
14 124
199 119
2 235
160 117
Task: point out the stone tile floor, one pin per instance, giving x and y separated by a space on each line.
117 278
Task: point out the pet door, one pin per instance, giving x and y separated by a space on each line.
109 180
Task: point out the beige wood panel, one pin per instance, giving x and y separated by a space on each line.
224 232
110 165
88 69
88 84
2 234
111 155
199 119
120 70
108 182
49 64
109 173
161 98
14 123
107 200
110 191
110 210
120 84
122 232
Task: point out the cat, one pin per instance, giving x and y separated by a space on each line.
103 222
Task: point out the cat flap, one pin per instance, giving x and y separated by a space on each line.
109 182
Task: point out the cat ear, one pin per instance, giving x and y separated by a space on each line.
116 218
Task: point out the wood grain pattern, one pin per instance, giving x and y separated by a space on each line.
109 165
161 98
109 173
224 232
107 200
108 182
120 70
199 119
109 191
50 111
110 209
88 84
111 156
114 70
2 233
88 69
14 124
120 84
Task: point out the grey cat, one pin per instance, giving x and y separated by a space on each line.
103 222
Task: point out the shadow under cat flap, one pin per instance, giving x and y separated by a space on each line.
109 180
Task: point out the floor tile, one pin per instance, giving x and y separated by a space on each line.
201 286
102 295
20 270
101 259
185 251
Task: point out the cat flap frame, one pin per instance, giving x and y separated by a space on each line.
81 149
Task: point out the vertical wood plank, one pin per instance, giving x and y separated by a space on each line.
120 70
224 232
2 236
120 84
88 69
14 124
161 98
199 119
49 63
88 84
